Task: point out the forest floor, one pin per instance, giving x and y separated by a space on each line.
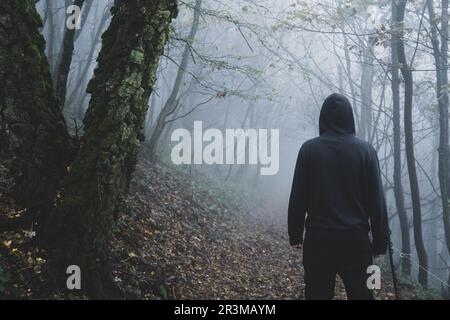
177 239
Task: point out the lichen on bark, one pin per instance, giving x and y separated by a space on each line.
114 122
33 124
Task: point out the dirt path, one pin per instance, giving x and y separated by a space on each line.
174 240
187 246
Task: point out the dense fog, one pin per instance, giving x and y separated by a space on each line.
269 65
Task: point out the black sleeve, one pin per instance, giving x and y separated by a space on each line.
376 207
297 202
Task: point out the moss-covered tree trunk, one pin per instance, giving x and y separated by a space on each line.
80 228
37 136
80 191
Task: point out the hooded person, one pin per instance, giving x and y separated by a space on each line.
337 199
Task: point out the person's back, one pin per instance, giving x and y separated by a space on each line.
337 183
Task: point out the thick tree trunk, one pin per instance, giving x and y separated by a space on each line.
87 6
398 187
172 102
38 138
409 144
79 230
444 152
351 83
433 226
441 62
65 59
367 74
77 108
49 12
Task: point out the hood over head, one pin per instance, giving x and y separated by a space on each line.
336 116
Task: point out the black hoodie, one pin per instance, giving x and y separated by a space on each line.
337 187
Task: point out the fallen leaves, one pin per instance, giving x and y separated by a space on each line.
194 252
176 240
7 243
189 245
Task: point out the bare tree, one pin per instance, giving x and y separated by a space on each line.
172 101
409 141
398 187
440 55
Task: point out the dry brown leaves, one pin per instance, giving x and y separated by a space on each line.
170 245
174 241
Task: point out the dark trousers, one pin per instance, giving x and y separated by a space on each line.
320 282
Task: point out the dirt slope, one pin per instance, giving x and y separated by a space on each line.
185 250
174 240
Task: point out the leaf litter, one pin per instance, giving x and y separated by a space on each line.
174 240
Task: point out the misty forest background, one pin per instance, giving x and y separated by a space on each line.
71 137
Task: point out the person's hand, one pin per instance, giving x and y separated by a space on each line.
298 246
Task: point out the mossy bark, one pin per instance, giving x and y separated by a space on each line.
81 226
36 133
